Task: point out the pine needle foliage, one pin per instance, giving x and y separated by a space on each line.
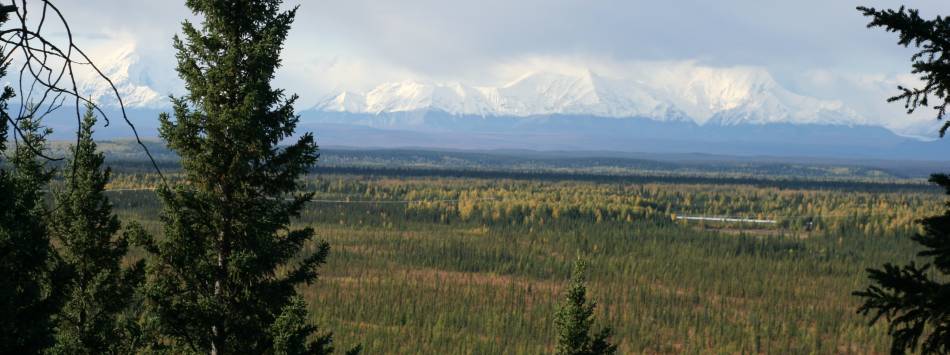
575 318
222 278
913 298
100 289
931 62
30 270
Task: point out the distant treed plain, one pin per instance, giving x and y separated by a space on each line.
477 265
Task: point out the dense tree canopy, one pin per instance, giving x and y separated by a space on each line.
99 289
30 270
223 278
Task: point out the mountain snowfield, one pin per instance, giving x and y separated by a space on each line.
125 68
656 107
700 94
704 95
726 96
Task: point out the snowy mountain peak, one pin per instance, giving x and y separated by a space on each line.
539 93
582 93
702 94
124 67
406 96
723 96
751 95
348 102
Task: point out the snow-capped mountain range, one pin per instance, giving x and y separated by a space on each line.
661 108
684 109
703 95
130 75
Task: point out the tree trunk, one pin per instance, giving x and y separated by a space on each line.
215 335
221 276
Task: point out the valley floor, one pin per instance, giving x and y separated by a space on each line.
477 266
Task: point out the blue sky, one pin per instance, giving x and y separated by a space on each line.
818 48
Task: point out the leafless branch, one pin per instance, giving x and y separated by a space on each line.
48 70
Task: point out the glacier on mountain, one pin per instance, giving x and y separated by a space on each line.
680 92
125 68
726 96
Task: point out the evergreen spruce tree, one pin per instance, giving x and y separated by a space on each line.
100 290
30 271
915 299
290 331
28 267
223 278
574 319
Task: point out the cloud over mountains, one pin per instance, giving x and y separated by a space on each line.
659 90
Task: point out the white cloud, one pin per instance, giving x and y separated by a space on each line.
815 47
317 77
868 94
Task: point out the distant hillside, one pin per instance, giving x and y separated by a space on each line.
126 153
441 130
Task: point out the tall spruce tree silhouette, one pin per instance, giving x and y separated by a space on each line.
27 299
30 270
223 279
915 299
575 318
100 290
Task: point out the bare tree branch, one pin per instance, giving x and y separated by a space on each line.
48 70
